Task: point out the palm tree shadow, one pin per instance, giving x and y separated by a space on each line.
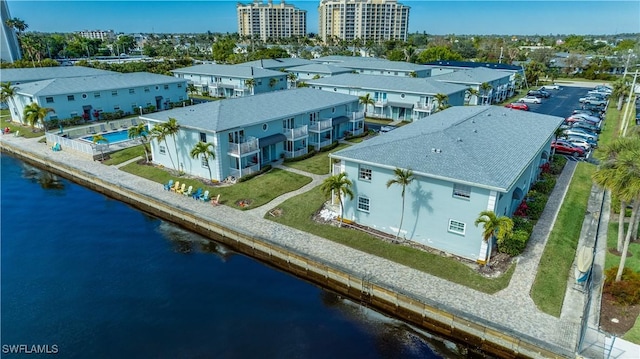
421 198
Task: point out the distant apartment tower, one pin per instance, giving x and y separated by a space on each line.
98 34
377 20
271 21
9 47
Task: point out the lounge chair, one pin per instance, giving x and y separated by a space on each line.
103 128
197 194
124 124
134 122
175 186
167 187
181 189
216 201
91 130
113 126
189 191
205 197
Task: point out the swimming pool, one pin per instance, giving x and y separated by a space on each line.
112 137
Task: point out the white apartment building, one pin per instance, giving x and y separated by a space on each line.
98 34
377 20
271 21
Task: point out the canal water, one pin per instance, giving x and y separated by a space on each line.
93 277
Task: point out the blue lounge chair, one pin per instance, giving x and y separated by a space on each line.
197 194
205 197
167 187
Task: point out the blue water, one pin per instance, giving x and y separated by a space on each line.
100 279
112 137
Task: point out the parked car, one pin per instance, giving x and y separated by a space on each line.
577 141
593 143
598 93
561 146
593 119
536 93
593 100
517 106
530 99
385 129
553 86
593 107
574 119
581 132
603 88
545 94
593 113
587 126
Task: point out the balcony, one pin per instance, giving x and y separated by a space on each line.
320 126
294 134
244 148
380 102
422 107
237 173
357 116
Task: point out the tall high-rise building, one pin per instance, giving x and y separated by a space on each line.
9 47
104 35
271 21
377 20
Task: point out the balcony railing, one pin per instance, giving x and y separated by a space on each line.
243 148
422 107
318 145
320 126
380 102
298 133
237 173
357 116
294 154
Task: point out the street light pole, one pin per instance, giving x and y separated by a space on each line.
625 120
626 66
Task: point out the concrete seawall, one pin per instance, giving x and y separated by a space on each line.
451 323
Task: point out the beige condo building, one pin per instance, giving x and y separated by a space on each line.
377 20
271 21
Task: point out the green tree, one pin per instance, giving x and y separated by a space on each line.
494 226
442 100
222 49
620 90
160 132
33 114
341 186
206 150
250 83
533 71
97 140
272 82
485 88
191 88
471 92
7 91
402 178
292 79
366 100
438 53
139 132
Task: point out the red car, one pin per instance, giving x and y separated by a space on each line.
567 148
517 106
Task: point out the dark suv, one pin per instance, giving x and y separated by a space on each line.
537 94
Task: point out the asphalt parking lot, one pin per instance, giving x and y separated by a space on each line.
561 103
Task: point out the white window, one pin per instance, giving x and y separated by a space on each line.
162 149
364 173
363 204
461 191
456 226
49 99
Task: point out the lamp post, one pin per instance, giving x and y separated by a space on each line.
626 66
140 107
625 120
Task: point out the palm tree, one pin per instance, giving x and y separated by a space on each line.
471 92
172 128
250 83
292 78
494 226
485 88
620 90
140 132
97 139
159 132
442 101
6 94
341 185
204 149
366 100
413 74
403 178
191 88
33 114
272 82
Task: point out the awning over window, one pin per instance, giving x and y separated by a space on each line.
340 119
270 140
400 104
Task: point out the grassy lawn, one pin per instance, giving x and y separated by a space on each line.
610 127
297 213
118 157
378 121
258 190
551 281
318 164
25 131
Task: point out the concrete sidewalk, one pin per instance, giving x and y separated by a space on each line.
510 311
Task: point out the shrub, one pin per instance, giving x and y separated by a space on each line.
557 164
330 147
300 158
264 169
535 202
627 290
522 224
514 244
522 210
546 183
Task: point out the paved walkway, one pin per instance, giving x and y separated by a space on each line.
510 311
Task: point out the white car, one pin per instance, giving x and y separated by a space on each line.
550 87
579 142
530 99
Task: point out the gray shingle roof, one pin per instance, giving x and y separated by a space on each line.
485 146
389 83
70 85
44 73
245 111
277 64
244 72
356 62
476 75
320 69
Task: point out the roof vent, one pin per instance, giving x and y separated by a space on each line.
459 139
433 149
473 121
475 131
438 150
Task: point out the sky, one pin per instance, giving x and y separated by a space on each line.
515 17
